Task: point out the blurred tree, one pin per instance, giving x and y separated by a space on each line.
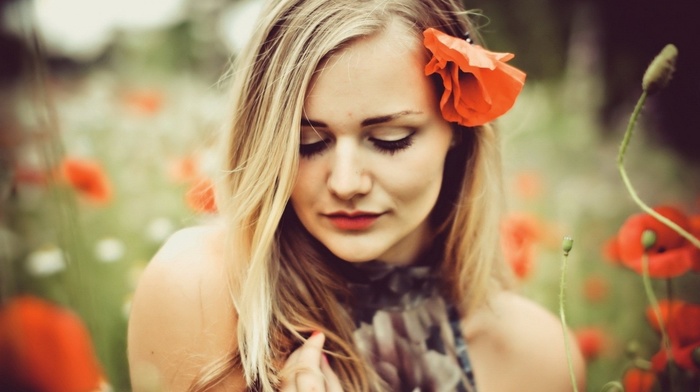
634 31
629 34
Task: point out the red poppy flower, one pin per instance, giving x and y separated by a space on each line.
638 380
596 288
592 341
611 250
143 102
183 169
519 235
200 196
694 222
682 322
479 85
88 178
45 348
528 185
671 256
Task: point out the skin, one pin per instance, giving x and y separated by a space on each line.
181 320
181 311
378 80
307 369
180 317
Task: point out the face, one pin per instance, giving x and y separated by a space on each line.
373 147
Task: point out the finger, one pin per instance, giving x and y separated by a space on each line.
303 367
332 380
295 359
289 372
309 375
309 354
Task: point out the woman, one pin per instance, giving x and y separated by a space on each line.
358 242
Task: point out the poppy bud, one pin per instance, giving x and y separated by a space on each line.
648 239
613 387
632 349
567 244
659 72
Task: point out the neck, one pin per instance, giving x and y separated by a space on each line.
428 259
412 249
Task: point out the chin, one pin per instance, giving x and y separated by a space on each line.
355 257
352 256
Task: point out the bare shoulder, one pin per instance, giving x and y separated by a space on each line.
517 345
182 316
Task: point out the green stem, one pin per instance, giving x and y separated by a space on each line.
670 360
562 285
79 288
657 311
630 127
682 232
623 173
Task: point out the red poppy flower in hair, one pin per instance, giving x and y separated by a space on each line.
479 85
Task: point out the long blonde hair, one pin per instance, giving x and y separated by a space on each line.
283 288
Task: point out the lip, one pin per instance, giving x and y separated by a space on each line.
353 221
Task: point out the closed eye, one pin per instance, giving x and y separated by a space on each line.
311 149
393 146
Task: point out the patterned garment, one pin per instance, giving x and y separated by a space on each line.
406 329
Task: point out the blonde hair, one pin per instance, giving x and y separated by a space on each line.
284 289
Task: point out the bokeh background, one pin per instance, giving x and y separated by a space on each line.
108 118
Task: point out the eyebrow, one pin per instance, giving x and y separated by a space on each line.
366 122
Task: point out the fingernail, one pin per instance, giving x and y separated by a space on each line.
315 333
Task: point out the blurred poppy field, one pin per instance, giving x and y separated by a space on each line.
109 146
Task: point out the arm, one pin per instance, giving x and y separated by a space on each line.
182 318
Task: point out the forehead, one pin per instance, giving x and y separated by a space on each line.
381 72
395 39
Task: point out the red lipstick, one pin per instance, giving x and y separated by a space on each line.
353 221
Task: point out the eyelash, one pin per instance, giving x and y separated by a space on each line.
384 146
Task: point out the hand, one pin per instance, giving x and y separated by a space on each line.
307 369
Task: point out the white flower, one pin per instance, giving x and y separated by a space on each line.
105 387
46 261
159 229
84 28
237 24
208 161
109 250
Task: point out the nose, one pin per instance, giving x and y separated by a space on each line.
348 177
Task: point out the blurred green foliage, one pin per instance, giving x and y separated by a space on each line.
148 108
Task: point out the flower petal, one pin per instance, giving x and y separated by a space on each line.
478 85
670 256
46 348
638 380
669 264
630 234
88 178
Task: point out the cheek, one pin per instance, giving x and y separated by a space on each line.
305 186
418 180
